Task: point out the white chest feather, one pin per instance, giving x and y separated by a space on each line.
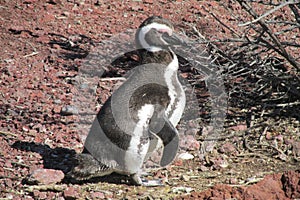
177 99
139 143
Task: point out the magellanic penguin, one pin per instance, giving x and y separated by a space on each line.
141 113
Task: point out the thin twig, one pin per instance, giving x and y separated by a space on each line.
269 12
216 18
296 13
263 134
32 54
8 133
290 44
284 104
20 164
198 33
287 30
113 79
57 188
273 147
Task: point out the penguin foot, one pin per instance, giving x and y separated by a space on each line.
136 180
152 183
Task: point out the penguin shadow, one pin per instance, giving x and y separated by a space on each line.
121 66
73 47
63 159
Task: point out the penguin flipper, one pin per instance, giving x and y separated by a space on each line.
169 135
164 129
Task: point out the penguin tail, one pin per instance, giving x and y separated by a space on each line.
85 166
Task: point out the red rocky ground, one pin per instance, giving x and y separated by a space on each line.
43 44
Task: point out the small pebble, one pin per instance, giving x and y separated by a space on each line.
181 189
185 178
185 156
69 110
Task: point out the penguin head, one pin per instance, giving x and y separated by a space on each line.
156 34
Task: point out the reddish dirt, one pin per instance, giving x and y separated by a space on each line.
271 187
43 44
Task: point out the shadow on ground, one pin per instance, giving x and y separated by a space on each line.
63 159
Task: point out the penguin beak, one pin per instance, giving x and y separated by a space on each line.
173 39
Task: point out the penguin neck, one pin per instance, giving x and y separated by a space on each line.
165 56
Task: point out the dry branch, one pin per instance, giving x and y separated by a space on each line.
277 44
258 68
269 12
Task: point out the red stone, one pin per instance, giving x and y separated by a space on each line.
70 193
46 176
